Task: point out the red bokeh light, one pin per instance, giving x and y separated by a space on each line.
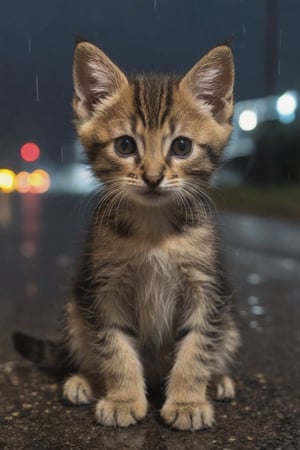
30 152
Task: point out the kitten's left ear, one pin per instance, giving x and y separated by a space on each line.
211 82
96 79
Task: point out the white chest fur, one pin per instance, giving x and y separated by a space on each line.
157 288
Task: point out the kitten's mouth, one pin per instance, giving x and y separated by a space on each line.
155 193
151 195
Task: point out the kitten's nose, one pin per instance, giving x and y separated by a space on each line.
152 180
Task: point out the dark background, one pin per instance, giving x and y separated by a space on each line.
37 40
41 235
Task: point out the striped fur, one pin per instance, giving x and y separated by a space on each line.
150 304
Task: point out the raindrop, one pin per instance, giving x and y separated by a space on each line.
37 90
280 39
154 3
257 310
253 300
254 278
253 324
29 47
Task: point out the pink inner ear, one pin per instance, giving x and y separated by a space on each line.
215 81
89 87
96 78
211 83
212 77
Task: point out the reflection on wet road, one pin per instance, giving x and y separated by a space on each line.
263 258
41 235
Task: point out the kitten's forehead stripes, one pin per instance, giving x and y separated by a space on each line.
153 99
133 123
168 102
137 101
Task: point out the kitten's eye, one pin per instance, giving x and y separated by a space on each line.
181 147
125 146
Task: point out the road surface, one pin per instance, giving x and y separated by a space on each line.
41 235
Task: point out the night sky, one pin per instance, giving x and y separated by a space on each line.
37 40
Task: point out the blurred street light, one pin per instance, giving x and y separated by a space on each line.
286 106
30 152
7 180
248 120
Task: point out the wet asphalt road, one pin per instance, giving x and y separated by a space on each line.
40 236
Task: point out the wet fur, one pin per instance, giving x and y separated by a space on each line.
150 304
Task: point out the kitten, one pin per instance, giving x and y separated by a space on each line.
150 303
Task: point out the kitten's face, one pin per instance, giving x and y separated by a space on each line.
153 138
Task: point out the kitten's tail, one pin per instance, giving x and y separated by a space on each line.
46 354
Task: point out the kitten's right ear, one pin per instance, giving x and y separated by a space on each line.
96 79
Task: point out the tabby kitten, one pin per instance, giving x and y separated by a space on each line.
150 303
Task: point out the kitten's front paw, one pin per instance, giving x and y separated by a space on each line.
77 390
188 416
120 413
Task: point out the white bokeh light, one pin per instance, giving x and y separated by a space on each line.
248 120
286 104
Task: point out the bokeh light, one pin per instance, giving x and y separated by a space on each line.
248 120
22 182
30 152
287 103
7 180
286 106
39 181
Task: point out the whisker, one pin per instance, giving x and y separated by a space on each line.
108 199
196 200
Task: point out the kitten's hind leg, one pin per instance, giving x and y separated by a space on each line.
225 388
77 390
